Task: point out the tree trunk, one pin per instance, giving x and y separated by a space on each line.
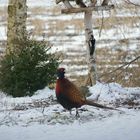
90 43
17 14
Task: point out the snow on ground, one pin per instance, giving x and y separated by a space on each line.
41 117
124 127
3 33
113 93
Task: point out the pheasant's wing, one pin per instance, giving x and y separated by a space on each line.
72 93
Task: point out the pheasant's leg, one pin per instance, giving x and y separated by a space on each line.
77 113
70 112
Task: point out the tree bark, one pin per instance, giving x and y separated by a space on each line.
17 14
90 43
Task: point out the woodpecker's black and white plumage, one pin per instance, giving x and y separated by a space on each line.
105 2
92 45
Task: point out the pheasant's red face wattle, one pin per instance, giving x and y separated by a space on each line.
58 87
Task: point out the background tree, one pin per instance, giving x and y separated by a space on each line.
17 14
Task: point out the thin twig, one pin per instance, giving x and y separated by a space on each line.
102 23
129 2
127 63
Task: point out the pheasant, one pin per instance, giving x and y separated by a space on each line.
69 96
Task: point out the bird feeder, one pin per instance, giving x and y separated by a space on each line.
90 40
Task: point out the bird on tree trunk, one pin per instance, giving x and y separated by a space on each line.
105 2
69 96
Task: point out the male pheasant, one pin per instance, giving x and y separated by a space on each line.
69 96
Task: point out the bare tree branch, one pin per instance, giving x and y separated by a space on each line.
102 24
126 64
129 2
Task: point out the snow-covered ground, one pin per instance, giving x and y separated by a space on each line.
41 117
124 127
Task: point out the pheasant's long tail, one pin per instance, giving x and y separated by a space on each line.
91 103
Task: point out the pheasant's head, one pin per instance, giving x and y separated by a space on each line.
61 73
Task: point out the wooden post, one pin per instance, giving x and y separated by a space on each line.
90 44
17 14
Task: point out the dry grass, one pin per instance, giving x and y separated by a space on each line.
37 10
107 61
3 14
110 22
39 26
42 10
127 76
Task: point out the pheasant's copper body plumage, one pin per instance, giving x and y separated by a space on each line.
69 96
